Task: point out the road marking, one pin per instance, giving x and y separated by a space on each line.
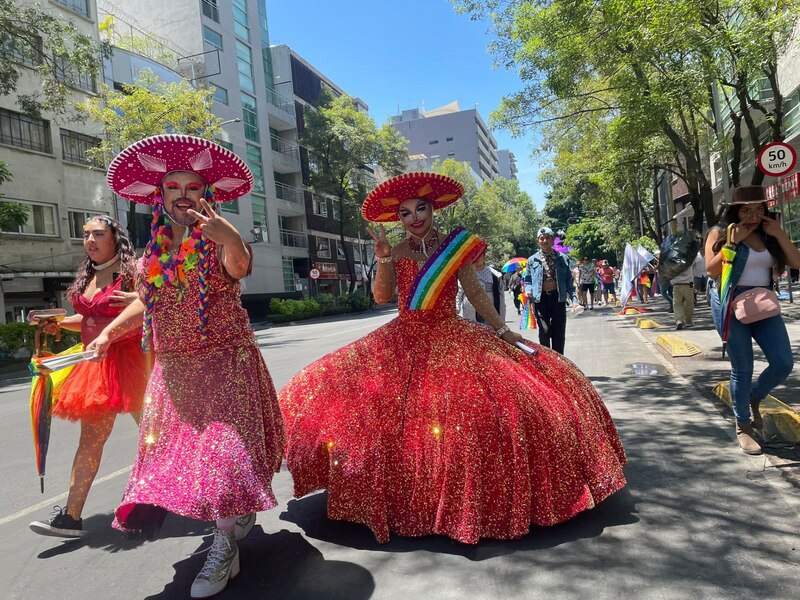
349 330
60 497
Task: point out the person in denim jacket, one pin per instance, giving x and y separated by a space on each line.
762 248
549 286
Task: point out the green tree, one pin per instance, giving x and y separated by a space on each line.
344 144
150 107
33 38
12 215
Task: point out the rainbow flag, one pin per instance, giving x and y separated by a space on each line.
528 318
452 253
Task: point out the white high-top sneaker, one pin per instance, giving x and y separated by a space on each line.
221 565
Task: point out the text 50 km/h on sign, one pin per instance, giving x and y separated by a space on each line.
776 159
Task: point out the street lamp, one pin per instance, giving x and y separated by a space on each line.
234 120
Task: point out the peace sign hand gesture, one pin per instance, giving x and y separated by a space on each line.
214 227
381 246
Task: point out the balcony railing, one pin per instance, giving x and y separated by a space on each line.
294 239
285 153
289 193
281 102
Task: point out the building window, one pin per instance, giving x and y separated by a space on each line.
231 206
22 131
259 204
210 10
77 219
319 205
77 6
432 142
244 62
212 37
323 247
41 219
74 146
337 210
451 154
254 162
288 274
340 254
241 27
27 53
65 72
448 139
250 118
221 95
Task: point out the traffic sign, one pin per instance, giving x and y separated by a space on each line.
776 159
314 273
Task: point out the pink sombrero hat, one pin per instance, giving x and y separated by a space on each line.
382 203
138 170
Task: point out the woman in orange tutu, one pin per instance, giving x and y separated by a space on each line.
433 424
96 391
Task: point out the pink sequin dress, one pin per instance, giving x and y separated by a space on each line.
211 433
116 383
433 425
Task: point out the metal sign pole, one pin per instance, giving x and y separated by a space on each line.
783 221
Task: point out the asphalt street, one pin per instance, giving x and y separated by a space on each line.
698 518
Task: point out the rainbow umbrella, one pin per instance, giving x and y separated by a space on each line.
515 264
528 318
728 252
45 388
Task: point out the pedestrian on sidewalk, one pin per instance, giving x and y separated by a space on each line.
492 283
432 424
762 250
548 285
515 287
211 433
683 297
95 392
608 276
587 274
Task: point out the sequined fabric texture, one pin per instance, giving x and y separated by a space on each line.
433 425
211 432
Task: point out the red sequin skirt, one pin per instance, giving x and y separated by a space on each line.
436 426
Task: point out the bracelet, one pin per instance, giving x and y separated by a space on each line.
503 330
385 259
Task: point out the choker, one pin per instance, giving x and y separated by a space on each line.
426 244
106 264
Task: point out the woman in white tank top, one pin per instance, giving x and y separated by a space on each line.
765 248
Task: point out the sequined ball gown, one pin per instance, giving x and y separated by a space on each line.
211 431
433 425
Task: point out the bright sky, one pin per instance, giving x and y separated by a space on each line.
406 54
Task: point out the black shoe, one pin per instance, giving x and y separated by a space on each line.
60 525
679 326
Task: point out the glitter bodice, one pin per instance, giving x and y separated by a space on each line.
445 307
175 316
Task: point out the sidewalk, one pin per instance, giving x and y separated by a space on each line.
705 370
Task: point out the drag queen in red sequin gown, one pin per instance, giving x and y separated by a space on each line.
434 425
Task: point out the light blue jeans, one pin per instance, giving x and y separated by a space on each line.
771 336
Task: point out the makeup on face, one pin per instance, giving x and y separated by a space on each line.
416 215
182 191
98 241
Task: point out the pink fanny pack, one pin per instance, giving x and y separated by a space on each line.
756 304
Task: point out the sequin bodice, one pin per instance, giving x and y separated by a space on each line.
175 316
445 307
98 312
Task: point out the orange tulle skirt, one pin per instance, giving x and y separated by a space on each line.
113 385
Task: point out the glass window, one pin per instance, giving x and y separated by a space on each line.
212 37
250 118
41 219
74 146
211 10
449 139
259 205
221 95
340 250
288 274
65 72
323 247
337 213
254 162
320 205
77 6
25 52
20 130
432 142
244 63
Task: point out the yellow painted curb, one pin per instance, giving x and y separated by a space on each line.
677 346
778 418
645 323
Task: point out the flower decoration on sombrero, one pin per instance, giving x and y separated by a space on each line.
137 172
382 203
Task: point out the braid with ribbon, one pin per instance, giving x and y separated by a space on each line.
149 287
203 273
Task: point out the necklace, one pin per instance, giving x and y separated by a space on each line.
106 264
166 267
424 244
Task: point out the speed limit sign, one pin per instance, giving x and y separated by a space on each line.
776 159
314 273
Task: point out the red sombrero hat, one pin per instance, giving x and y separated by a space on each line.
137 171
382 203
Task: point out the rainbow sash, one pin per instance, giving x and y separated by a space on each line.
454 251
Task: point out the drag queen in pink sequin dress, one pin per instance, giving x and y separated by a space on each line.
435 425
211 432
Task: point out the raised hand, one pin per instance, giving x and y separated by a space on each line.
381 247
771 226
214 227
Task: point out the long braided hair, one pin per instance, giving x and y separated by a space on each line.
161 225
125 251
